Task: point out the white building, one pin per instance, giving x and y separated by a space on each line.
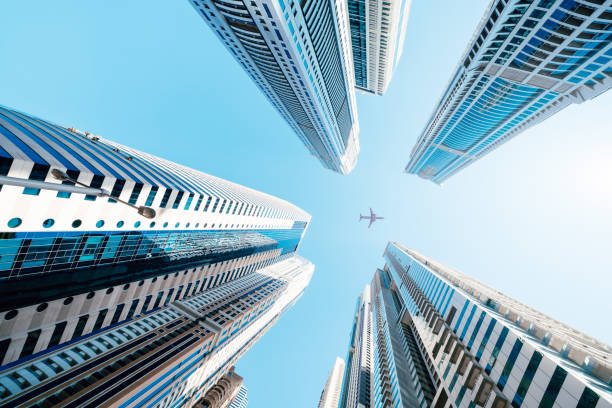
298 54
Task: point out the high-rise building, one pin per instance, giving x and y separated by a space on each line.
126 279
299 55
443 339
330 396
242 399
358 371
378 29
526 61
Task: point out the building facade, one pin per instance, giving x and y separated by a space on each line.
101 305
358 371
443 339
223 393
526 61
298 54
378 29
330 396
242 399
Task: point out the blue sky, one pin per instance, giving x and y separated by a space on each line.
532 219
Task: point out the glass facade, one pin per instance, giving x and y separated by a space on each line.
528 60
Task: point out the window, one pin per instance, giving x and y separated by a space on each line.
516 349
165 198
207 204
117 189
48 223
135 193
197 207
117 314
73 174
38 173
78 331
151 196
100 319
96 182
553 388
177 200
76 223
188 203
30 343
14 222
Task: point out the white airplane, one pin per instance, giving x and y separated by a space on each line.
372 218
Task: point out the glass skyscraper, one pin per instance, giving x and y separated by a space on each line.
128 280
378 29
298 54
443 339
526 61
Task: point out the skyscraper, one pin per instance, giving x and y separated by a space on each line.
358 371
378 29
331 392
443 339
103 306
526 61
298 54
242 399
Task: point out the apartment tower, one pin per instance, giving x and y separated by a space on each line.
526 61
299 55
127 279
442 339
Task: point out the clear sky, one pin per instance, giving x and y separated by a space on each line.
533 219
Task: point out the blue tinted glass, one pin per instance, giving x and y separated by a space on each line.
509 364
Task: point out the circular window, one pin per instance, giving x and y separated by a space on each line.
177 225
48 223
126 286
205 225
100 224
197 224
137 224
176 274
141 283
212 226
41 307
165 277
120 224
14 222
68 300
91 294
187 226
10 315
152 224
185 273
109 291
76 223
154 279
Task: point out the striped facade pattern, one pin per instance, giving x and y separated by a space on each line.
483 348
378 29
299 56
241 400
100 306
526 61
166 358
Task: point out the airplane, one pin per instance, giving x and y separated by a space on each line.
372 218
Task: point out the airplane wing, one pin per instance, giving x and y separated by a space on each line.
372 213
371 222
